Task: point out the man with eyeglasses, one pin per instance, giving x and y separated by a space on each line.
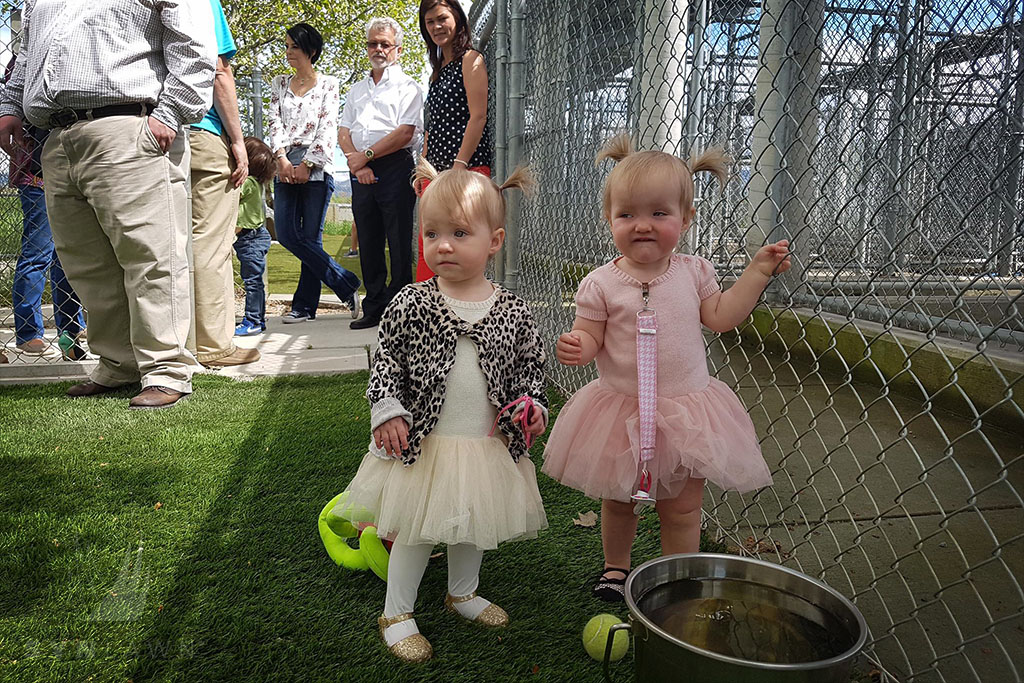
383 115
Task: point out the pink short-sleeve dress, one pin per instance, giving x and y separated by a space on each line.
702 428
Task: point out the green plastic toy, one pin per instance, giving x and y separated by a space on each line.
339 522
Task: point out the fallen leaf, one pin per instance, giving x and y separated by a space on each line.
104 464
986 650
158 506
101 438
160 608
535 669
586 519
436 555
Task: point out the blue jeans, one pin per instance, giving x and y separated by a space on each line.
251 248
37 257
299 212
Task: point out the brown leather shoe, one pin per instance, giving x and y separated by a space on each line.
34 347
89 389
155 397
239 356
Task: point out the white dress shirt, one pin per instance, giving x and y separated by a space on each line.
372 110
164 54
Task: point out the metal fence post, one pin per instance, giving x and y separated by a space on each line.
501 113
257 103
661 74
782 186
516 101
1013 181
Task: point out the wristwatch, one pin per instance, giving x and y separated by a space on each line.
309 164
369 154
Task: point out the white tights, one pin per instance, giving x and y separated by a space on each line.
405 571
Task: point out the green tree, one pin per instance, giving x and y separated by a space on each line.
258 27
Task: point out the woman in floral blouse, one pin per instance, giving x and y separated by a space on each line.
303 126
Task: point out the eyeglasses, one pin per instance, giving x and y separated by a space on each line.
383 46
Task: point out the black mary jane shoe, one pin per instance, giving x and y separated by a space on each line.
611 589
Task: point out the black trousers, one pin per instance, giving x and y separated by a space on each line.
383 212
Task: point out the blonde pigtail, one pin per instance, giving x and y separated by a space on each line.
616 149
522 179
714 161
425 172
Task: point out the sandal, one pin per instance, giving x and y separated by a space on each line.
491 616
609 589
414 648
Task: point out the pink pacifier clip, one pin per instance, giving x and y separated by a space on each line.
647 393
528 406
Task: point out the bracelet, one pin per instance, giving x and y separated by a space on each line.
460 161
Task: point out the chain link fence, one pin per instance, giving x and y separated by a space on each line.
883 138
41 319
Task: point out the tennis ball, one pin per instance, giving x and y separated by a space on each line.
595 638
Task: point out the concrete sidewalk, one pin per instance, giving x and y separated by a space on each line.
320 347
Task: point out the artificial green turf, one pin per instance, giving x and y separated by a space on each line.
232 582
283 268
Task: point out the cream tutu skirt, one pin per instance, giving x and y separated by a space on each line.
595 444
460 490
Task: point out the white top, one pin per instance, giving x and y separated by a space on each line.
467 411
372 110
308 121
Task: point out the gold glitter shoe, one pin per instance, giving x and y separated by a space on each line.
414 649
492 616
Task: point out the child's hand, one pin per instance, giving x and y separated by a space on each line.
535 425
772 259
392 436
569 349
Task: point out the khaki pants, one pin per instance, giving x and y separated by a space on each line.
214 214
118 210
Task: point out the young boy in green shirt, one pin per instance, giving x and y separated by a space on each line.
252 241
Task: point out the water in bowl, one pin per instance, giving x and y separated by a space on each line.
746 620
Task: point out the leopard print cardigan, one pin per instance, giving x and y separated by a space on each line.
416 350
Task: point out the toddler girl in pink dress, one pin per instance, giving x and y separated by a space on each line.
702 430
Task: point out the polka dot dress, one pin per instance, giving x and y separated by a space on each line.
447 116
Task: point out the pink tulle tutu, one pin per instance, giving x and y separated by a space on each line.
595 443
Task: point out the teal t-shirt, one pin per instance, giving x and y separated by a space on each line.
226 49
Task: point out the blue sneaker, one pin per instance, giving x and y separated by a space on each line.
247 328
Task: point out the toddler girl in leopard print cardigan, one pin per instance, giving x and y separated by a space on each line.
452 352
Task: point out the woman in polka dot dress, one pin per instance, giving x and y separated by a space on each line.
456 122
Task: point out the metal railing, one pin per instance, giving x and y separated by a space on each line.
883 138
